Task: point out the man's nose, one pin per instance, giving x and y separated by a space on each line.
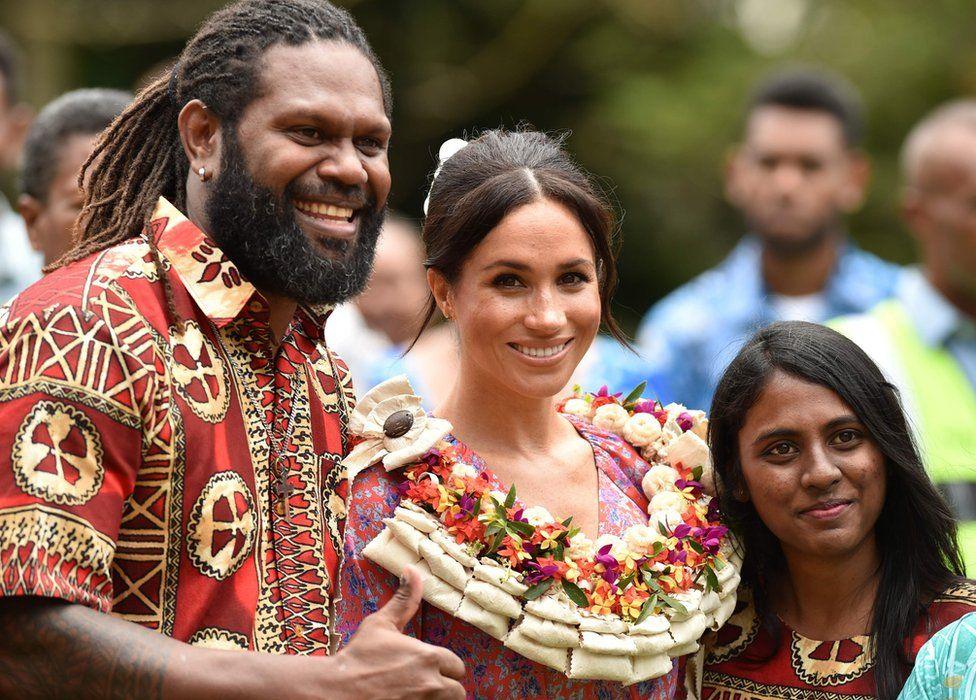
788 178
343 164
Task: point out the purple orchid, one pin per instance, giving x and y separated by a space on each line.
677 556
713 514
685 421
467 503
610 563
645 406
605 393
539 573
682 530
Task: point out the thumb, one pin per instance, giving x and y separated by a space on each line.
404 603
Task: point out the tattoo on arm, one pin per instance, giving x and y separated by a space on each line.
52 649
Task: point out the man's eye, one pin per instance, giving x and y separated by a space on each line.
308 133
369 144
809 165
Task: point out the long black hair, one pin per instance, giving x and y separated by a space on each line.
915 532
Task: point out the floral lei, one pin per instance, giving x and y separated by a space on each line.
644 572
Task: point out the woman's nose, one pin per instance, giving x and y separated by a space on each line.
545 314
820 472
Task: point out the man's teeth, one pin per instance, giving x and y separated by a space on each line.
324 209
540 352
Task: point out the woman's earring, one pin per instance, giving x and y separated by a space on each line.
204 175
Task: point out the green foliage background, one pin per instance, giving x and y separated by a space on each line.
649 91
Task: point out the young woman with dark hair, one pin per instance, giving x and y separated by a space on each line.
520 254
851 561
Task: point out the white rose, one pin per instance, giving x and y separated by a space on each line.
667 500
707 479
617 547
675 409
659 477
701 425
464 471
611 417
669 518
689 450
537 516
641 538
578 407
642 429
580 547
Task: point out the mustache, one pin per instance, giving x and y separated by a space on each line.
353 194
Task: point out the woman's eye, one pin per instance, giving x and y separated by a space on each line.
780 449
846 437
574 278
508 281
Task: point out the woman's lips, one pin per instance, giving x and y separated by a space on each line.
828 510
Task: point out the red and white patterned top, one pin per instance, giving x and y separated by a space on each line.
185 479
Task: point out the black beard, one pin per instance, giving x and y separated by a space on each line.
258 231
787 248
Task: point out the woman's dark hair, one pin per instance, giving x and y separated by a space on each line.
495 174
915 532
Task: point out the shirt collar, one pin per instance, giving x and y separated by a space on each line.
214 282
845 290
934 316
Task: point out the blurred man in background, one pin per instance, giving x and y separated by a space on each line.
19 265
371 331
925 337
795 177
58 144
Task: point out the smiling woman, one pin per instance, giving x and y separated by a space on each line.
851 555
520 256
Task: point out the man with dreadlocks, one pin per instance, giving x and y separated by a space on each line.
170 418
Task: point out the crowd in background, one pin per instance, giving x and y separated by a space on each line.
796 175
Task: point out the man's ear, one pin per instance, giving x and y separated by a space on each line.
16 124
913 213
441 289
858 177
30 210
200 134
733 174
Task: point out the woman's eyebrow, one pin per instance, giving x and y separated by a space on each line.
515 265
842 420
512 264
775 433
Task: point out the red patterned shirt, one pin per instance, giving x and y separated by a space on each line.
186 478
744 661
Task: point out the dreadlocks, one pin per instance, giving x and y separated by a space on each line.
140 158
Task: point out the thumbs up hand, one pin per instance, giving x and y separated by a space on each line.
382 662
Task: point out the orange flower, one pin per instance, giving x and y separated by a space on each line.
512 551
632 601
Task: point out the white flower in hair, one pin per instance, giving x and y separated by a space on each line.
394 428
447 150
